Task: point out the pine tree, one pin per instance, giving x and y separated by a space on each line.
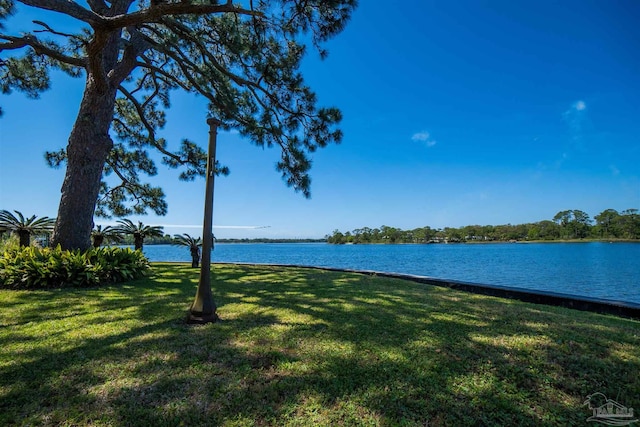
243 58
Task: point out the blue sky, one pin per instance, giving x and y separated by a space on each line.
455 113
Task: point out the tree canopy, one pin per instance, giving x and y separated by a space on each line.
566 225
244 58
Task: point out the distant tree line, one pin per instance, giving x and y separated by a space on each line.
168 240
565 225
269 240
128 240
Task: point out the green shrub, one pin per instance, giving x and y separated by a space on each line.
39 268
8 241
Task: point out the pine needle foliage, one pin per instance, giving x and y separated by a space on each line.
244 58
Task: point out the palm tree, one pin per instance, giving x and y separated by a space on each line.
139 232
109 233
25 227
192 243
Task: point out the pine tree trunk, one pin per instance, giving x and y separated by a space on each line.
87 151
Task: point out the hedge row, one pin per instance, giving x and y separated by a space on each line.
43 268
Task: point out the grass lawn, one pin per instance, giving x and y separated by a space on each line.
304 347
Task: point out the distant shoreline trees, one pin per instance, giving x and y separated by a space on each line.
565 225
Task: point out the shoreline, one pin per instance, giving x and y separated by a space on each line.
495 242
626 309
469 242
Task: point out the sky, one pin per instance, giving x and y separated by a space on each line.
455 113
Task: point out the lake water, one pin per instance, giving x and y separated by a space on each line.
600 270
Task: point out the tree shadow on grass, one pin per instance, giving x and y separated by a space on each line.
303 346
485 359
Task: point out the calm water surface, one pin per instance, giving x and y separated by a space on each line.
602 270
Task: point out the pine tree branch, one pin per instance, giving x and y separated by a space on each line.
180 58
40 49
95 51
155 93
131 187
150 129
155 13
48 29
159 71
182 61
136 45
99 6
141 115
68 7
141 82
186 34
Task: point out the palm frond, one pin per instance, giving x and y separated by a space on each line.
33 224
187 240
108 232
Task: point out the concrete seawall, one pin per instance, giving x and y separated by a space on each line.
595 305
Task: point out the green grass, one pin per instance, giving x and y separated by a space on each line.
304 347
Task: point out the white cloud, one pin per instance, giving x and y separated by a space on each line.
424 137
576 110
576 117
420 136
614 170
